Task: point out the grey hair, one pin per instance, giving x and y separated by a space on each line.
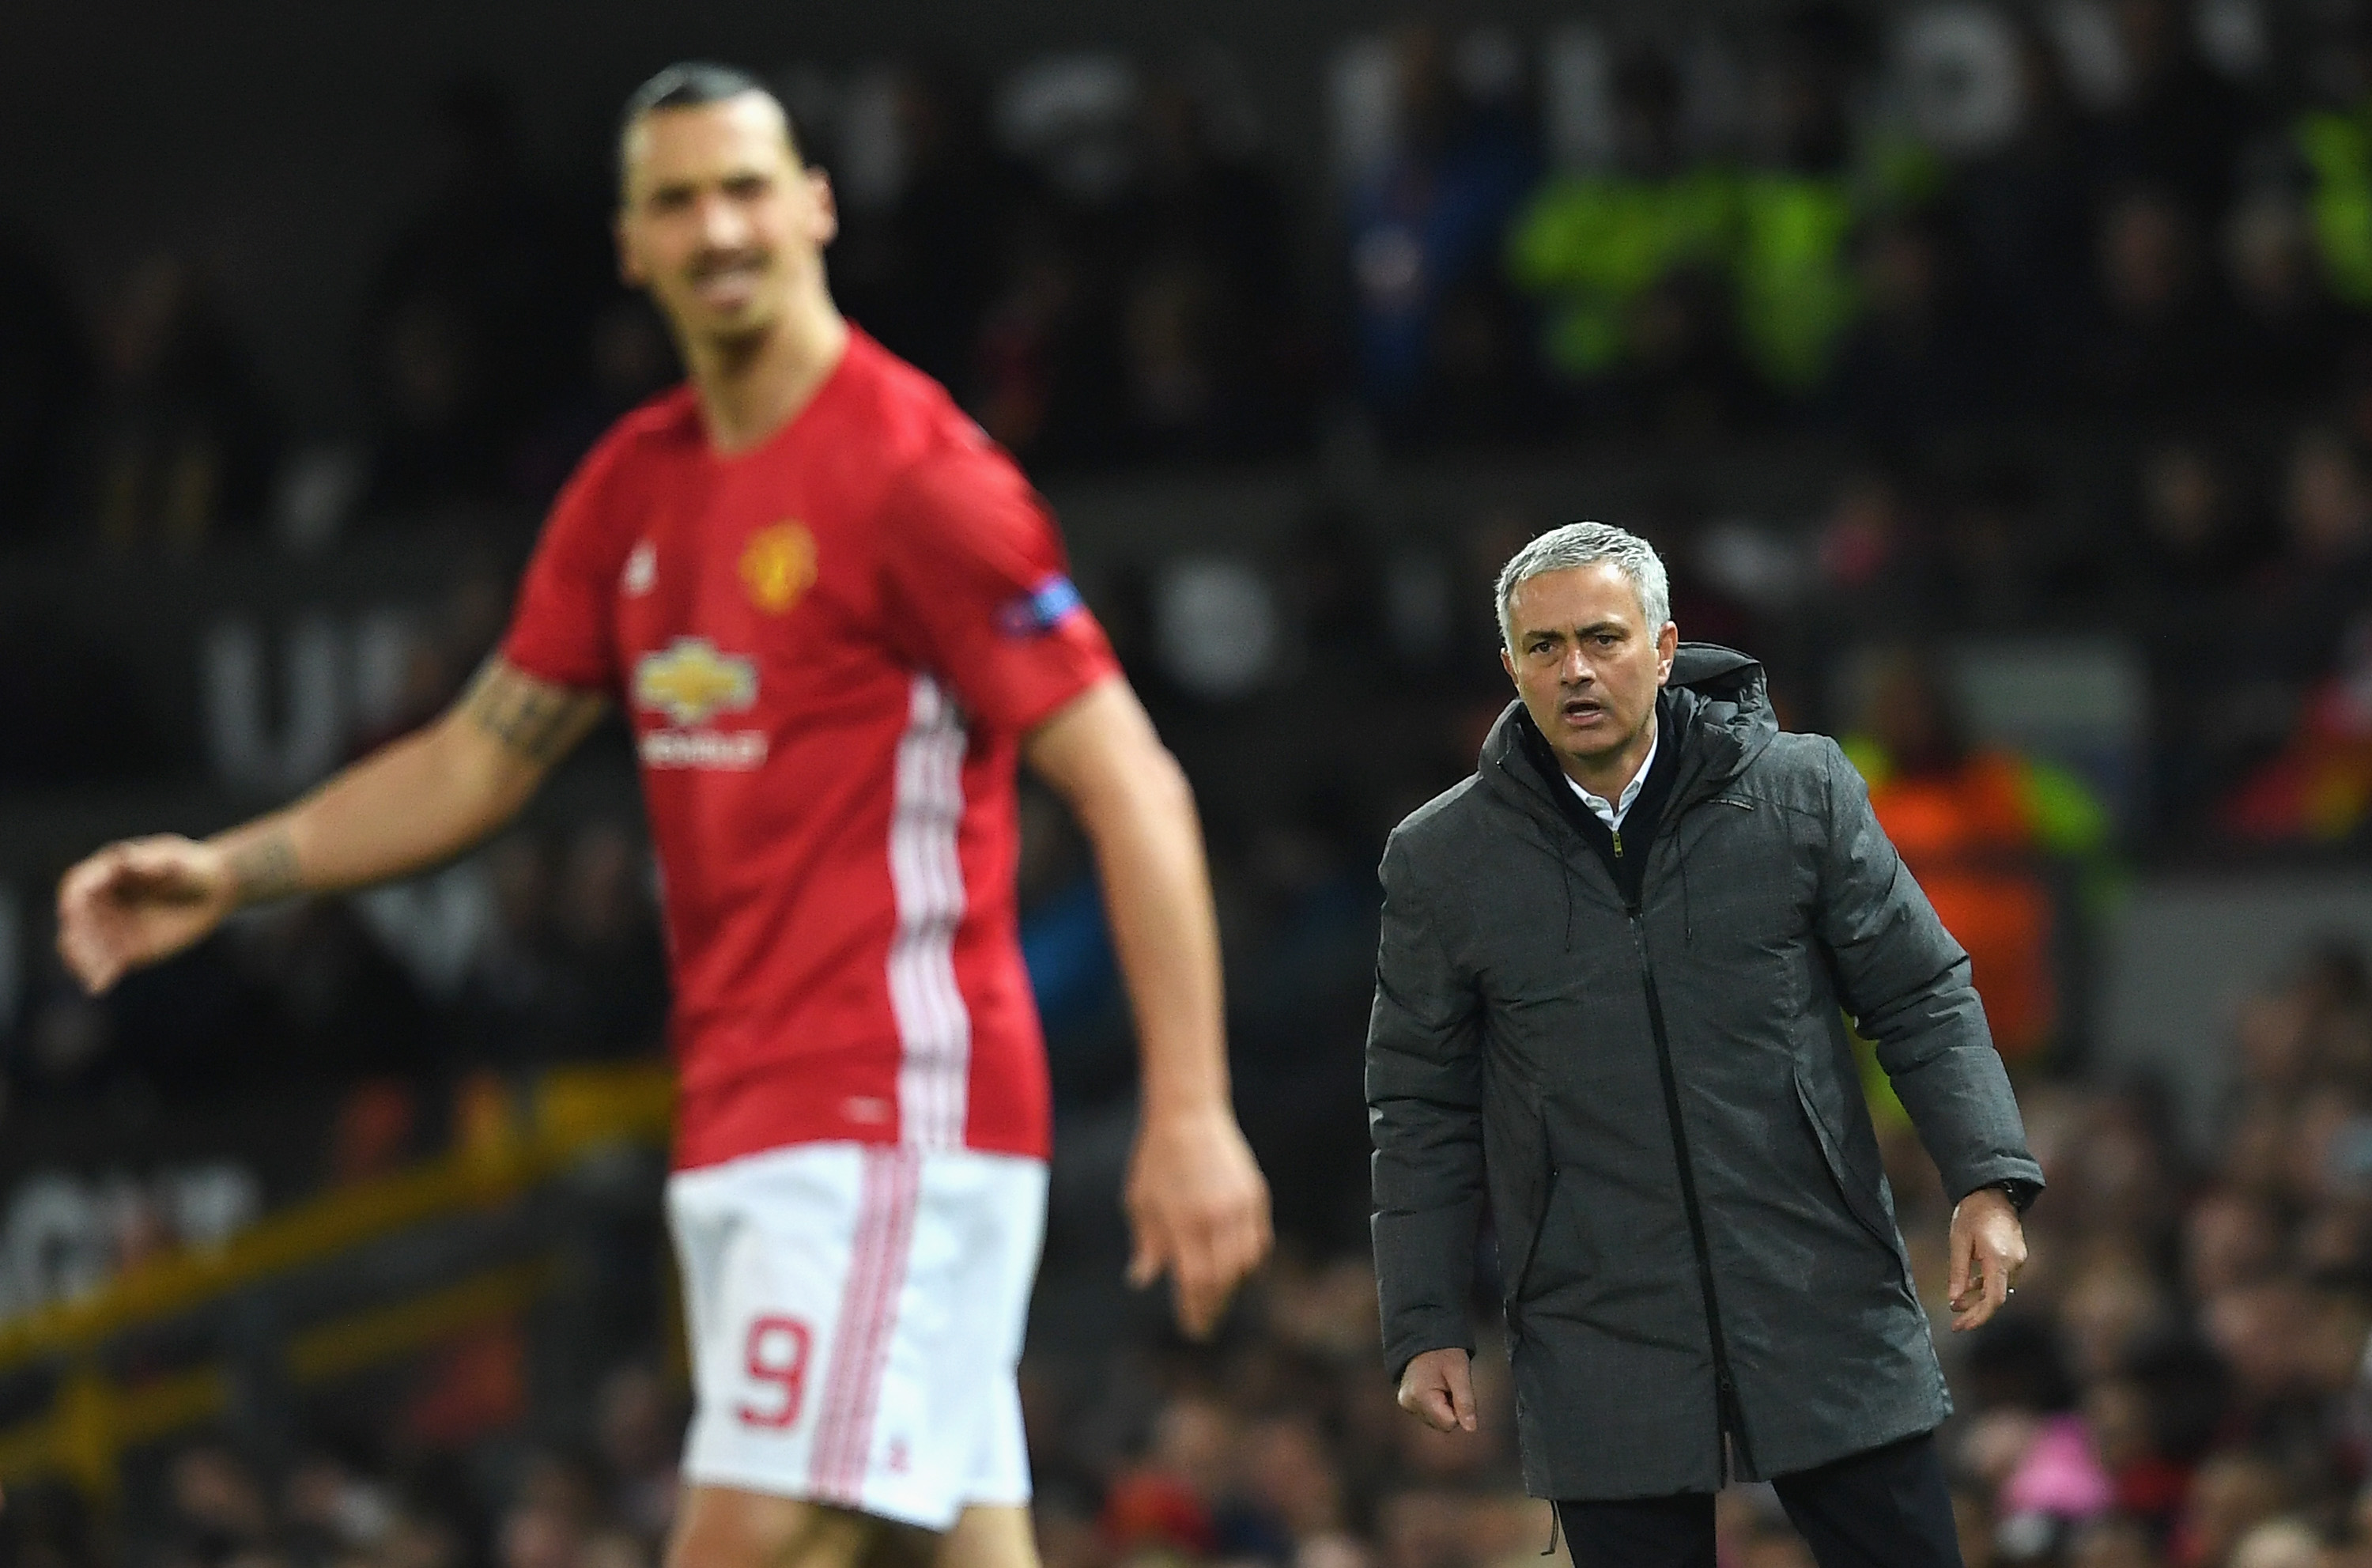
1586 544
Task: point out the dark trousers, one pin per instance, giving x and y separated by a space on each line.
1885 1508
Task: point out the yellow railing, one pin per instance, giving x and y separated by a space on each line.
573 1112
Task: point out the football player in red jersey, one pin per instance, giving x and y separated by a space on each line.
836 616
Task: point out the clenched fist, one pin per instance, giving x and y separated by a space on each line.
1438 1388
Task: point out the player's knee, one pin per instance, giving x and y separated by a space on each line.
901 1546
990 1538
730 1529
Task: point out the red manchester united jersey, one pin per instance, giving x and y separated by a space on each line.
829 648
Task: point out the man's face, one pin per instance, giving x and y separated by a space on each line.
1584 661
717 219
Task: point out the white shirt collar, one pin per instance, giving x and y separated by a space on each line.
1612 814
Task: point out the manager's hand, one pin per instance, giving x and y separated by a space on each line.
1988 1250
1438 1390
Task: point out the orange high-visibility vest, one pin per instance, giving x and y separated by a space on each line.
1970 839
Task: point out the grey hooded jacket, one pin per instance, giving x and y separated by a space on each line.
1696 1242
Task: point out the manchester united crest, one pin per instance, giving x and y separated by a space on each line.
778 565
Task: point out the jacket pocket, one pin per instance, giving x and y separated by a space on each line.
1860 1198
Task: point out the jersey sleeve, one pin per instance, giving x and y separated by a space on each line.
562 628
980 590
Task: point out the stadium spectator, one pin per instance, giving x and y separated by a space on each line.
180 445
2175 561
2185 539
635 1424
2317 789
1977 827
423 1536
1033 380
1910 361
1629 263
607 945
44 375
2287 335
2323 577
2002 567
2177 121
1799 198
1181 353
1424 234
1209 206
328 1002
2021 207
1140 311
333 1512
219 1511
2333 142
514 1010
915 264
1873 548
2154 345
626 360
469 314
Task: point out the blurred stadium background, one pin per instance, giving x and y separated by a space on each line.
1999 373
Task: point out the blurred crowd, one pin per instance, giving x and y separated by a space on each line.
1885 224
2181 1382
2071 312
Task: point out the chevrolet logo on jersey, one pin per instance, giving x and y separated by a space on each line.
691 680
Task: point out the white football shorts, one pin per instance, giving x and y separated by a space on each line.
855 1314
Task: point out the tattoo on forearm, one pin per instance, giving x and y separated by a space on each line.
266 869
538 721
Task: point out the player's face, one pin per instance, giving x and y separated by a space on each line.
717 219
1586 663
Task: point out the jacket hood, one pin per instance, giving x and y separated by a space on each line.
1718 705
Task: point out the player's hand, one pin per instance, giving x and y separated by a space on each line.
1988 1250
1438 1390
1198 1211
137 902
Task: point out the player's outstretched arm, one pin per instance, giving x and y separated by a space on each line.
1196 1201
408 805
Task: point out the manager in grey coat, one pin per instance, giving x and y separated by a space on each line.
1611 1007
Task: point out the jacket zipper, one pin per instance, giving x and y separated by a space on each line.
1532 1254
1730 1416
1730 1420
